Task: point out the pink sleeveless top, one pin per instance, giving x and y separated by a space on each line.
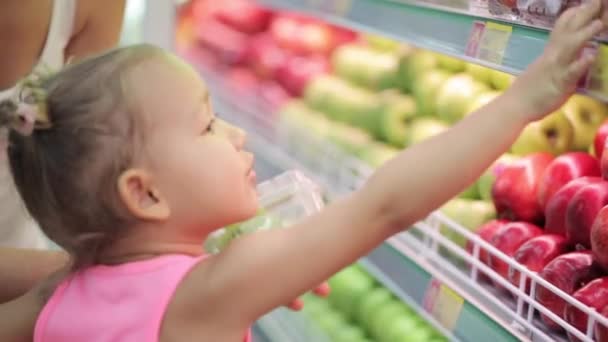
121 303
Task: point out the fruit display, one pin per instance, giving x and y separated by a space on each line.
543 204
360 309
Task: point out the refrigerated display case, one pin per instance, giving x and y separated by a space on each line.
434 267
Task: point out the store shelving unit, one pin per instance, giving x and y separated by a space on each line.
412 264
437 26
442 26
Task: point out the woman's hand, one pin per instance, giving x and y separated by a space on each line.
561 65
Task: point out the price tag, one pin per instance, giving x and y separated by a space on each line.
443 303
494 42
488 41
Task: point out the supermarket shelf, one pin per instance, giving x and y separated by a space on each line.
424 24
414 264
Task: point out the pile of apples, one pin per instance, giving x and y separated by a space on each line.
359 309
273 54
553 220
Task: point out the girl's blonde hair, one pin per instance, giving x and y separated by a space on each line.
66 170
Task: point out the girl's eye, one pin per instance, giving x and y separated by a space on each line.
209 127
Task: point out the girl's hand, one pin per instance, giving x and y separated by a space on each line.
553 77
321 291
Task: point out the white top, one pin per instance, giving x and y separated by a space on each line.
17 229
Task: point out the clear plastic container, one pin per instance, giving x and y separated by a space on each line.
284 200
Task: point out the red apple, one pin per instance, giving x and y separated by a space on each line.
562 170
244 16
242 80
536 253
599 238
227 43
486 232
284 29
298 71
568 272
264 56
273 96
594 295
555 211
601 331
599 142
314 38
508 238
582 210
516 187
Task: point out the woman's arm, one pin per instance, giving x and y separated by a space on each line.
22 269
97 28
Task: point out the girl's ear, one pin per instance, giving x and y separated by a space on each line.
141 197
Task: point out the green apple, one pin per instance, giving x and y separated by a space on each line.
501 80
586 115
375 154
470 193
486 181
482 100
387 312
331 321
419 334
340 100
351 139
347 287
411 67
315 307
393 121
425 90
424 128
347 334
365 66
382 43
553 134
402 327
450 63
455 96
368 305
480 73
317 91
471 214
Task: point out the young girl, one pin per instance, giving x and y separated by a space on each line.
122 161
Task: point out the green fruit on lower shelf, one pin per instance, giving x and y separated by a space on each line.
331 321
471 214
402 327
456 95
417 335
424 128
425 90
553 134
347 334
369 305
347 287
384 314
